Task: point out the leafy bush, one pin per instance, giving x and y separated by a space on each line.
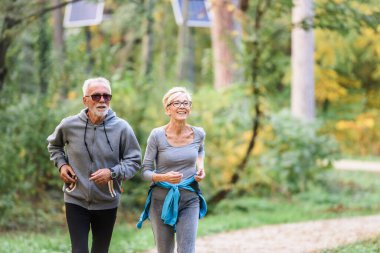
26 173
296 152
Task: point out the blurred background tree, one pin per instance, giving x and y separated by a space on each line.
253 146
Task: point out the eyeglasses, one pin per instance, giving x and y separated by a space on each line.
178 104
96 97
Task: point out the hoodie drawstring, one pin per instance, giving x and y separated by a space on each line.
85 143
105 132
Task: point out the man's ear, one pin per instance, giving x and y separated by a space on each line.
84 100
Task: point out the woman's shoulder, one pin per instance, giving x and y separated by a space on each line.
157 131
199 131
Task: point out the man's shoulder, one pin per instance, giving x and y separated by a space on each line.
69 120
120 123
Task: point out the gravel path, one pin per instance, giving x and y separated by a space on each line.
357 165
306 237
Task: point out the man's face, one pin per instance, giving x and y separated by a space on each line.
97 108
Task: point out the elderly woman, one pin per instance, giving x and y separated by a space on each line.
173 162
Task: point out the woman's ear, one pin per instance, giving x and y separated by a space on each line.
167 111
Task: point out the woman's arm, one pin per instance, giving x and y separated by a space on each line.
201 174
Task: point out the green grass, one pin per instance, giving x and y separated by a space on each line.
341 194
369 246
362 158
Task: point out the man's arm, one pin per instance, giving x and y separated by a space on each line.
130 161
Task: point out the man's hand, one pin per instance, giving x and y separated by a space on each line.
201 174
67 174
101 176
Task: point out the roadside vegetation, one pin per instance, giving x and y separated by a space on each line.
336 194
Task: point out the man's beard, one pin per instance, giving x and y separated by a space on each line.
102 114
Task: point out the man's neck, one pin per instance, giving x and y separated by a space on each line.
96 120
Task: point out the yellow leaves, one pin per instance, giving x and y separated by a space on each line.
158 16
22 153
72 95
328 46
364 8
369 38
235 33
327 85
366 123
324 52
373 96
360 136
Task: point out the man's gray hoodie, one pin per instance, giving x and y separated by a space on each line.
111 144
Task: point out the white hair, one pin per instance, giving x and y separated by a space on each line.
90 81
173 93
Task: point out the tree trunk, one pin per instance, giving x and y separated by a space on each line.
58 41
185 66
302 96
148 41
221 28
43 55
5 43
90 57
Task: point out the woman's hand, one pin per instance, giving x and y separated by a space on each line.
171 177
201 174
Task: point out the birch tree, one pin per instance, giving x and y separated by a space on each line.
302 94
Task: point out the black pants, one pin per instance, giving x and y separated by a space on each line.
80 220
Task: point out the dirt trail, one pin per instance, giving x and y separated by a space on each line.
357 165
306 237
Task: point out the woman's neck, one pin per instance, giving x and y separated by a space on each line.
176 127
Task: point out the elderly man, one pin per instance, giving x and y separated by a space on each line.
94 151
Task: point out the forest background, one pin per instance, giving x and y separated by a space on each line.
254 145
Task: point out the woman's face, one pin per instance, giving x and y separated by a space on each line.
179 108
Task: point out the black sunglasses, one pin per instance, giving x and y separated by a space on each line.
96 97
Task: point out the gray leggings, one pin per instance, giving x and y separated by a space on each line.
187 223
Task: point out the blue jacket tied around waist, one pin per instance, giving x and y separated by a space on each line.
170 209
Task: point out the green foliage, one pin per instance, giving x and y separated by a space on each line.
26 173
295 152
344 16
225 116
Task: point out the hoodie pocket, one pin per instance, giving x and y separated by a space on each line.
69 187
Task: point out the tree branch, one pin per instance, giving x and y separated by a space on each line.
43 12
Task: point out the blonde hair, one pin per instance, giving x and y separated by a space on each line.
88 83
173 93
